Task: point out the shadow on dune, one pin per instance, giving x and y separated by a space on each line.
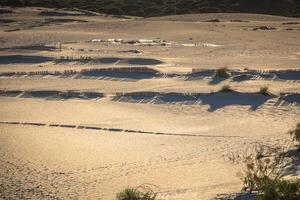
53 94
216 80
215 100
211 74
22 59
220 100
143 61
119 75
200 75
288 75
239 76
11 93
288 99
251 75
281 75
41 94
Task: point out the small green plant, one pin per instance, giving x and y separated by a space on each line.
264 91
226 88
222 73
143 192
296 133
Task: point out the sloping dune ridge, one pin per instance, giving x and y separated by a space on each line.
92 104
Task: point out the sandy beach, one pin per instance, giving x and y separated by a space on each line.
93 104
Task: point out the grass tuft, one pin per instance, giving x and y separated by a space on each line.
264 91
222 73
264 176
143 192
226 88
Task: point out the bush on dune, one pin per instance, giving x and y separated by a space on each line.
264 177
264 91
226 88
222 73
143 192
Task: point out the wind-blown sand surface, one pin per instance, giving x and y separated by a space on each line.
92 104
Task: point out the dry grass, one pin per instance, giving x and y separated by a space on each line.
264 177
142 192
264 91
226 88
222 73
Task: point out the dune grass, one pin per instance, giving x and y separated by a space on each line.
264 177
264 91
226 88
142 192
222 73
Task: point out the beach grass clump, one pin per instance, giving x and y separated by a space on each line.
264 178
296 134
280 190
264 91
226 88
143 192
222 73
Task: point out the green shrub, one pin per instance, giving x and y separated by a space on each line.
143 192
296 133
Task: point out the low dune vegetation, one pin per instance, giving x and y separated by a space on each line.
222 73
264 176
226 88
168 7
266 92
264 179
142 192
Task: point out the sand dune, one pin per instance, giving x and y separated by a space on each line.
91 104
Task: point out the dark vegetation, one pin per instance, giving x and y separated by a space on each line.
143 192
264 177
265 91
222 73
226 88
264 174
169 7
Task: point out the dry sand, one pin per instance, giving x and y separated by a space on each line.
165 127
